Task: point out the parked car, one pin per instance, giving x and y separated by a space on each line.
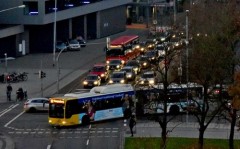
118 77
91 80
82 42
36 104
115 64
61 46
135 64
100 69
148 78
73 44
130 73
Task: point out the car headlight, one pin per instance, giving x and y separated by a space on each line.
64 122
85 82
102 75
162 39
122 61
141 82
142 49
153 57
129 75
118 66
137 46
107 62
122 81
151 81
110 81
135 69
144 64
95 82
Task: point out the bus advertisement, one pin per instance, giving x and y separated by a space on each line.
124 48
101 103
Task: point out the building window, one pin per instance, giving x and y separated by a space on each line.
31 8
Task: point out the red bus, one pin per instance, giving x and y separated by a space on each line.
124 48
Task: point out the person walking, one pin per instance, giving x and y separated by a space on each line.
9 91
132 123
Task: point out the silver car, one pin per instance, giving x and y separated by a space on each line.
130 73
36 104
74 45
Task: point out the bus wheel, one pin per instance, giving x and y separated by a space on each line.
174 109
85 120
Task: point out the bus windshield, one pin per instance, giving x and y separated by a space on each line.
115 52
56 110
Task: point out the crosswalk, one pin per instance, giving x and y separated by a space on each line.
66 133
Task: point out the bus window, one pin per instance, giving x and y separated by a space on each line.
56 110
73 107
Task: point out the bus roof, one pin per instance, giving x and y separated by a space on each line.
123 40
101 90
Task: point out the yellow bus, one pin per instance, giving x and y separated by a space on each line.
72 109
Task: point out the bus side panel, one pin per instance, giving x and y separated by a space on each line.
73 120
80 116
108 114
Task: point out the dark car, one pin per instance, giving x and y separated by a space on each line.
115 64
91 80
61 46
82 42
150 44
118 77
144 62
135 64
152 56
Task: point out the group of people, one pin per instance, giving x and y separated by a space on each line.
20 93
128 111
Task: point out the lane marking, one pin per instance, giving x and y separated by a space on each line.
49 147
87 142
6 125
8 109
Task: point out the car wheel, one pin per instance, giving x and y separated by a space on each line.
32 110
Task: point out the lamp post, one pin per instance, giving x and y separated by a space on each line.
187 42
58 69
21 6
54 32
6 70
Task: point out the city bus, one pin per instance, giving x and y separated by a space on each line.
179 97
123 47
71 109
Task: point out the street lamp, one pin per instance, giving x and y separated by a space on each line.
6 71
21 6
187 42
58 69
54 32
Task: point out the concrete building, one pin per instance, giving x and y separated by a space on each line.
32 29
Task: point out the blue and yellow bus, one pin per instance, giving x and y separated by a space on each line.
71 109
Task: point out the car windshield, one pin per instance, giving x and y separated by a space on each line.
142 59
117 75
73 42
98 69
132 63
127 70
150 53
92 77
148 75
115 62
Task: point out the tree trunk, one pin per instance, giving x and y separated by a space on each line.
201 134
233 122
164 137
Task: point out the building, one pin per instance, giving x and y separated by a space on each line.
32 29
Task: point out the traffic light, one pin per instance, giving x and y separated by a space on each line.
42 74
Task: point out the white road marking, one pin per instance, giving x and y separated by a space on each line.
8 109
87 142
49 146
13 119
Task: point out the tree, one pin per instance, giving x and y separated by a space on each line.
214 31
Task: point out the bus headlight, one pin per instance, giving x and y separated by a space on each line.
95 82
64 122
151 81
122 81
50 121
110 81
85 82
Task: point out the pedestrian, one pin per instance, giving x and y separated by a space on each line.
9 91
132 123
